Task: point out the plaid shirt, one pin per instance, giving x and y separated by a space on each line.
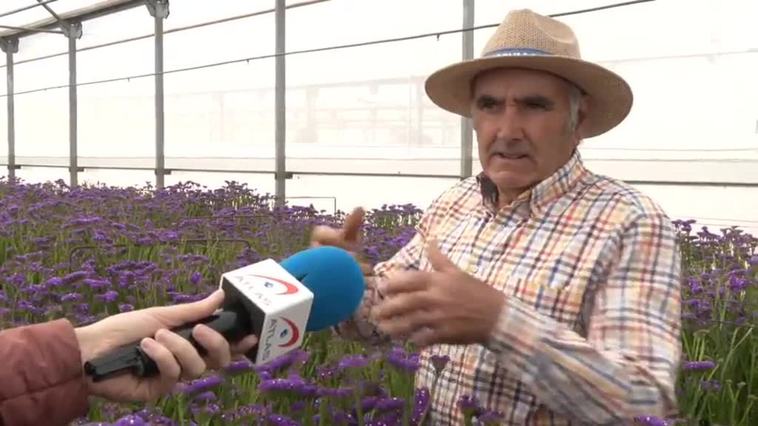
590 330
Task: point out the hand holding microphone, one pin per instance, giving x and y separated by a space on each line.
173 356
312 290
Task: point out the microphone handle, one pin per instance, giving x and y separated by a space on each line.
231 324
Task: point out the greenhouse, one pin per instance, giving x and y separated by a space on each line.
154 150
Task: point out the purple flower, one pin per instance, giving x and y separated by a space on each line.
352 361
108 297
196 277
280 420
204 384
96 284
130 420
439 362
651 421
125 307
71 297
699 365
469 405
238 367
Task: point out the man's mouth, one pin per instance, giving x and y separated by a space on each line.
509 156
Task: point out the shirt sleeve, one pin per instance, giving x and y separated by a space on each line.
627 365
42 377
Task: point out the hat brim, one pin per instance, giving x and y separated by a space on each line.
610 97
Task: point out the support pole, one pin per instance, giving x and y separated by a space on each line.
466 126
73 31
10 46
279 105
159 10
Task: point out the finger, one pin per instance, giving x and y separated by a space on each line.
399 306
405 282
437 259
219 354
425 336
326 236
169 369
352 225
244 346
172 316
191 363
404 325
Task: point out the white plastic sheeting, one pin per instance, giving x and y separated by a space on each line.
691 63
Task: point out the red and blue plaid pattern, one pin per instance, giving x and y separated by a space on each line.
590 332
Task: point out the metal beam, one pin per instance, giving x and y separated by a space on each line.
50 11
159 10
31 6
467 137
96 10
10 46
72 30
279 104
31 30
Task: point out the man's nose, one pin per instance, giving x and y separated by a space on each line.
510 124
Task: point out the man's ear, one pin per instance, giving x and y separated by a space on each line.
581 116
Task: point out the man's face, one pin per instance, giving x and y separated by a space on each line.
523 125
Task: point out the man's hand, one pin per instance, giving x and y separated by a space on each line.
176 357
347 238
443 306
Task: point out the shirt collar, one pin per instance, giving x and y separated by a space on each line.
542 194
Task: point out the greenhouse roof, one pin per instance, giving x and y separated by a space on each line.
20 18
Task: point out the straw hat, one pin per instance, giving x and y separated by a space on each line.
528 40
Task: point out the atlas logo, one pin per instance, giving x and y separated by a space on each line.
289 333
273 286
283 334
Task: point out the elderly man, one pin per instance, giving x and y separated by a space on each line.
553 290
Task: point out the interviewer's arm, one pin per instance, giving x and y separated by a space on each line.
41 379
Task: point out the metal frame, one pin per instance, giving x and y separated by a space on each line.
70 25
159 10
467 128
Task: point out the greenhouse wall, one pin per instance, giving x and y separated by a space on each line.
362 110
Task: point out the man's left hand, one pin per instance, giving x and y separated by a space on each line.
443 306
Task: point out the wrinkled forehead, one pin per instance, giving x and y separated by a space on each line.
500 81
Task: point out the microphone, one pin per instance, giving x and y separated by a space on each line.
309 291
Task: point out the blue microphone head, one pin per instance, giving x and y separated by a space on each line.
336 280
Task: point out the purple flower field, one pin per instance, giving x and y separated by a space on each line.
93 251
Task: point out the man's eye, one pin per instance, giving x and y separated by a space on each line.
487 103
536 105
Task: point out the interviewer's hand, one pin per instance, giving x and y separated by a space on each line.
175 357
347 238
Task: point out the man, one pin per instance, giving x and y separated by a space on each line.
42 376
553 290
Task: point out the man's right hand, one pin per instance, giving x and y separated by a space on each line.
348 237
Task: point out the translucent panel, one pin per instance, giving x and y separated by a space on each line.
365 108
714 207
118 26
122 60
116 119
42 123
369 192
42 74
191 13
221 117
41 44
339 22
25 17
262 183
243 38
122 178
42 174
